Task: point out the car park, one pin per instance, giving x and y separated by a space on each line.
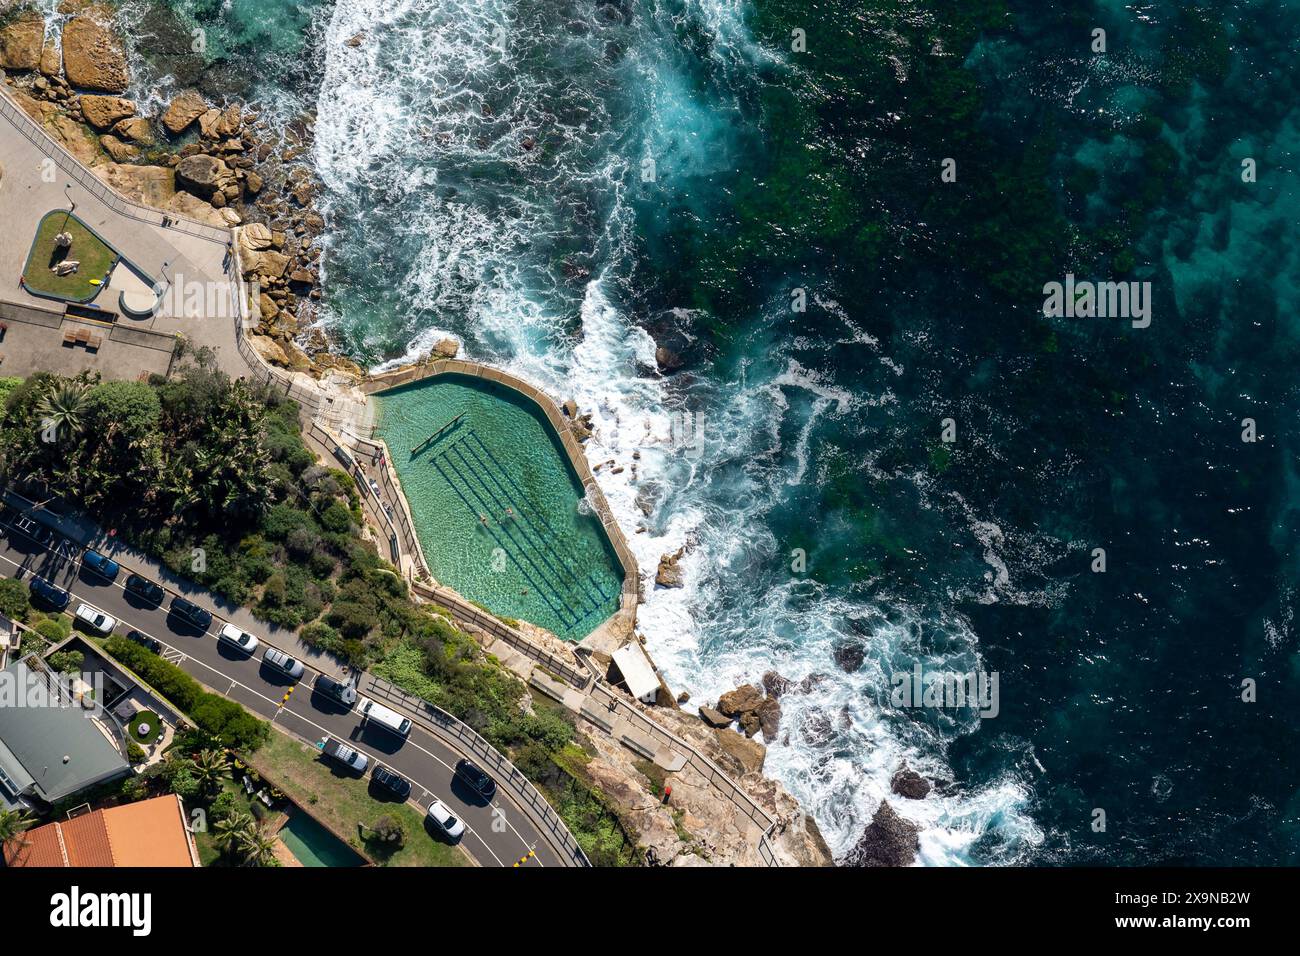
342 754
191 613
46 593
232 636
441 816
336 690
392 781
145 589
95 619
278 660
144 640
101 564
476 778
33 529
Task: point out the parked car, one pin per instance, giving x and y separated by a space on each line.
343 754
54 597
278 660
392 781
386 717
445 820
336 690
145 589
144 640
239 640
101 564
477 778
95 619
33 529
191 613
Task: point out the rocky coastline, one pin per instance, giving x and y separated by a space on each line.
213 159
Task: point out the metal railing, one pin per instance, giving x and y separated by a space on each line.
92 184
504 772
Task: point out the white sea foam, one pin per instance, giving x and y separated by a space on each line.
411 91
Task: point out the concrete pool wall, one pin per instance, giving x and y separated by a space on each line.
577 460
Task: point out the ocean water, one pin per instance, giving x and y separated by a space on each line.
501 516
566 186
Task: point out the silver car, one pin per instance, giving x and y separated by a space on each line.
445 820
278 660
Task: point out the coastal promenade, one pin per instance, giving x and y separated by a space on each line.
177 253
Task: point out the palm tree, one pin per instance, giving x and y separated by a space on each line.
61 407
210 767
257 846
230 831
13 823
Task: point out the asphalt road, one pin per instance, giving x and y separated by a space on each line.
496 834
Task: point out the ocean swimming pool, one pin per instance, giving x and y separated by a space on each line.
498 510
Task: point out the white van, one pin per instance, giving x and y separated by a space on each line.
383 716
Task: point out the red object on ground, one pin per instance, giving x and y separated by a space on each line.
668 792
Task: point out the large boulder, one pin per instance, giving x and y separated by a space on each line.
908 783
888 841
21 41
136 130
94 57
103 112
255 237
742 700
713 718
51 58
204 176
446 348
669 574
183 110
120 151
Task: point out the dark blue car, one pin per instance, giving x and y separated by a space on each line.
101 564
54 597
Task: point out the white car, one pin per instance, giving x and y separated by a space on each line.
445 820
95 619
239 640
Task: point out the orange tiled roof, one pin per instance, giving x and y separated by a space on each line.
146 833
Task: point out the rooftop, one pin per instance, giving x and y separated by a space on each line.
146 833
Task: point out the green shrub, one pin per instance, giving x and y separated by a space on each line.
135 753
52 629
67 662
14 603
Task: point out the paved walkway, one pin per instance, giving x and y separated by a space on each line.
40 176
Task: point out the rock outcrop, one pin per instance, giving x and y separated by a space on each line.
207 177
103 112
94 57
183 110
908 783
669 573
889 840
21 40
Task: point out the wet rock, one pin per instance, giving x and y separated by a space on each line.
683 697
94 57
103 112
848 655
668 360
713 718
908 783
183 110
669 574
51 58
811 682
775 685
21 42
816 728
446 348
769 718
889 840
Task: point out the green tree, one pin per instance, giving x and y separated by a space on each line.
60 409
210 767
13 823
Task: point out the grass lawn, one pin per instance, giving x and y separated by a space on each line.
96 259
343 802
